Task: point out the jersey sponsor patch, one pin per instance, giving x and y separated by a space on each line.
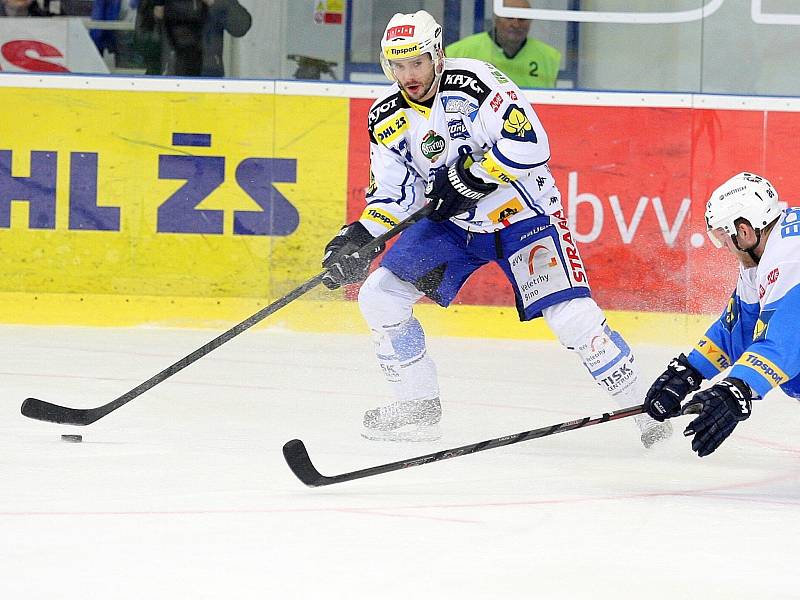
713 353
538 271
517 126
457 129
496 102
389 106
432 145
459 104
764 367
391 129
506 211
466 82
379 216
498 76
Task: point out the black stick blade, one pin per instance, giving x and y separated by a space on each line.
40 410
296 455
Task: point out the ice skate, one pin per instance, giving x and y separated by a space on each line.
652 431
404 421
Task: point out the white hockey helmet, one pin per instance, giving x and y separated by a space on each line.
743 196
407 36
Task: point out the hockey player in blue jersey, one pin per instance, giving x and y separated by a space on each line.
459 133
757 334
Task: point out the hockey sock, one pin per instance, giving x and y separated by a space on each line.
609 360
404 360
581 326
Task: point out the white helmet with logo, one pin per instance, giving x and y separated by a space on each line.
407 36
743 196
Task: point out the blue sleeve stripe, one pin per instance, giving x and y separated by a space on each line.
382 201
527 197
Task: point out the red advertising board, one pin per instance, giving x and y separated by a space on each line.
634 181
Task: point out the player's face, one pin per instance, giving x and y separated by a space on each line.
415 76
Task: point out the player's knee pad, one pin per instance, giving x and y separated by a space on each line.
574 321
386 300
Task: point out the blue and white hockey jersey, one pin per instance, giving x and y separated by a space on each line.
758 333
476 109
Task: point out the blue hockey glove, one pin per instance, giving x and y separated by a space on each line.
344 263
455 190
664 397
721 407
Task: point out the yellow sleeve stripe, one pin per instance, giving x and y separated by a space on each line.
764 367
379 216
494 169
713 353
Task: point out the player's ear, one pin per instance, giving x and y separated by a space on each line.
745 231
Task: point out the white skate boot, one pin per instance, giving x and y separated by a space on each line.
404 421
653 432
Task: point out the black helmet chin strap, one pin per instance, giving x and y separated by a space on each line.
750 251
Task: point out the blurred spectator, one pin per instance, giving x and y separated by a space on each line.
194 31
107 10
148 38
75 8
530 63
20 8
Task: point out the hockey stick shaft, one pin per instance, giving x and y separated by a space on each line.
54 413
299 462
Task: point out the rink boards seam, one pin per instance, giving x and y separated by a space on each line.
368 90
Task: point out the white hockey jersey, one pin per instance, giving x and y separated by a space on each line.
476 109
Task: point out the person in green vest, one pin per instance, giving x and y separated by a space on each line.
529 63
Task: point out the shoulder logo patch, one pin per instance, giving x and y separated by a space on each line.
461 105
516 125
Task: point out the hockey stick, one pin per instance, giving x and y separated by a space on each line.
299 462
53 413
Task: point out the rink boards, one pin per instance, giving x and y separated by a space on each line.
187 202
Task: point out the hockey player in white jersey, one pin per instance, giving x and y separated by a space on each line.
757 335
460 134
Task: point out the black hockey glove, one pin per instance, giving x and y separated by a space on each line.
664 397
455 190
721 407
344 263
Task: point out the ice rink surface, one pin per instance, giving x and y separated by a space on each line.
183 493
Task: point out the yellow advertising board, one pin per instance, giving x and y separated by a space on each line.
167 193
